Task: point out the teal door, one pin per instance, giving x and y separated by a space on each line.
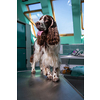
21 35
21 59
21 46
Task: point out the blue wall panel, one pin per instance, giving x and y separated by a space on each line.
21 59
21 33
21 46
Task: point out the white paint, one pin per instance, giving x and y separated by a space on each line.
61 49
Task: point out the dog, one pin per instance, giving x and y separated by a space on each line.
46 48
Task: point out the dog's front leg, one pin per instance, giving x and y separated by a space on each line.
41 66
33 68
55 74
48 73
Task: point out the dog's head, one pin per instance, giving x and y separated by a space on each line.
48 28
44 23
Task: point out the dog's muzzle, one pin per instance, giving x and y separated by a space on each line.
40 25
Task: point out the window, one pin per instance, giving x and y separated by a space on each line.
62 12
82 16
83 13
33 14
34 6
36 16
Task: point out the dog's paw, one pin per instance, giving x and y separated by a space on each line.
33 72
49 77
55 79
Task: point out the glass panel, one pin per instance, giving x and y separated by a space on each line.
83 17
35 6
82 32
63 14
36 16
83 13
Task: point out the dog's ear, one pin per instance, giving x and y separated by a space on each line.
41 39
53 35
53 23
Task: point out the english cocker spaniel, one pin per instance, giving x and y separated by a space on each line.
46 48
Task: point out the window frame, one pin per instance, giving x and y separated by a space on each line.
30 18
82 1
53 13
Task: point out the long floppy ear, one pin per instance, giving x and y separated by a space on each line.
53 35
41 39
53 23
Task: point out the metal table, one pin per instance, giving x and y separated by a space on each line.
71 57
66 59
37 87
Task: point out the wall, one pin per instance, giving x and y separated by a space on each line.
20 15
21 7
67 49
76 7
70 40
67 40
46 7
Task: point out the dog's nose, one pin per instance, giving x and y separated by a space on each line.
37 23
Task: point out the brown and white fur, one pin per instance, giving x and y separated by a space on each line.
46 48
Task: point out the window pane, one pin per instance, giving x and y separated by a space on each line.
36 16
63 14
83 12
83 17
35 6
82 32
